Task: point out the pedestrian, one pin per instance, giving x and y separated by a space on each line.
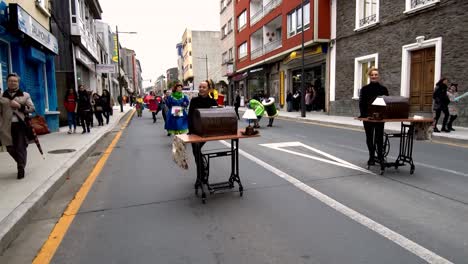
14 127
166 94
71 103
213 91
297 100
176 119
84 109
289 101
270 109
453 106
98 108
258 108
202 101
91 116
106 105
236 103
152 105
139 105
441 102
374 131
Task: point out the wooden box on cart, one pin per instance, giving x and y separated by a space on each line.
396 107
215 122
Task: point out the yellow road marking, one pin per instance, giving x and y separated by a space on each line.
49 248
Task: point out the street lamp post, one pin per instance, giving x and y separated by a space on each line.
303 110
118 64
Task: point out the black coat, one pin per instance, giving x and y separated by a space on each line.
441 99
84 101
368 95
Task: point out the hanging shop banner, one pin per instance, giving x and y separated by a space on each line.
282 88
115 56
32 28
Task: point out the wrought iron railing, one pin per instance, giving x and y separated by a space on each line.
418 3
368 20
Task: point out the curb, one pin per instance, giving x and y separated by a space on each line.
435 137
16 221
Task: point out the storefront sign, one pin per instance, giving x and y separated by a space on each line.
105 68
84 59
229 69
29 26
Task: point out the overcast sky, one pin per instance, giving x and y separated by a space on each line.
160 25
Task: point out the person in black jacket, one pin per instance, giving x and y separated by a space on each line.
84 109
374 131
441 102
202 101
237 104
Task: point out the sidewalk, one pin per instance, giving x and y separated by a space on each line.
20 198
458 136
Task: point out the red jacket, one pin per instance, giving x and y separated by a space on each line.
70 103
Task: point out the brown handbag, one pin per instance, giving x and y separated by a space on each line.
39 125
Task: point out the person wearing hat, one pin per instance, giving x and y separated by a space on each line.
176 119
270 109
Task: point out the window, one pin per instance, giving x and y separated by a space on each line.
416 5
367 13
223 32
231 58
361 66
242 20
295 20
225 58
229 26
243 50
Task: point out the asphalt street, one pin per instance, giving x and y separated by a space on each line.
143 208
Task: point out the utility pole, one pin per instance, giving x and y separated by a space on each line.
303 110
118 68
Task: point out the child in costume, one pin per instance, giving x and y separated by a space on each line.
270 109
139 106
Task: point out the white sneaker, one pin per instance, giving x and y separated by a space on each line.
69 131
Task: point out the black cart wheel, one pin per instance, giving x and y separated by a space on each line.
196 192
241 191
382 172
412 169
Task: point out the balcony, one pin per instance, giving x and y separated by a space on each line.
261 8
269 47
84 37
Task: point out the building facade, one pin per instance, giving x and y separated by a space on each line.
75 29
28 48
202 57
268 48
172 75
129 67
413 43
228 45
107 36
180 61
160 85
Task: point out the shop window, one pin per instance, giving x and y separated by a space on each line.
416 5
367 13
361 66
295 20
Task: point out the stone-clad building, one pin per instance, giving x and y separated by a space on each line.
413 42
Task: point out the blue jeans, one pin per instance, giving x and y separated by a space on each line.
71 120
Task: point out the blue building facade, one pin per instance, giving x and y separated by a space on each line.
29 49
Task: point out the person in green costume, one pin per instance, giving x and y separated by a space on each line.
258 108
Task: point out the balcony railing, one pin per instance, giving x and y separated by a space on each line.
256 53
368 20
270 46
271 5
419 3
264 10
88 40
